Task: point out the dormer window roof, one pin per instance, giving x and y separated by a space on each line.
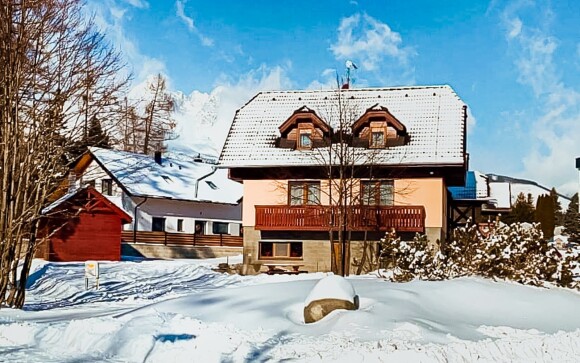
304 130
378 128
303 115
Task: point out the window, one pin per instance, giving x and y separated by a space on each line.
107 186
304 193
180 225
158 224
377 192
281 250
377 138
220 228
305 141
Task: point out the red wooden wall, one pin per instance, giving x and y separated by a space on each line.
89 236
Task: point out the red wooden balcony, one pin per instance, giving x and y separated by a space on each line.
360 218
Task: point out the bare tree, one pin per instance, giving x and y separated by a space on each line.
341 159
148 122
56 73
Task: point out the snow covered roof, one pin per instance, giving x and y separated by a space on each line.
433 116
178 177
91 194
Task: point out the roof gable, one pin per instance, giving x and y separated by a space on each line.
89 199
304 114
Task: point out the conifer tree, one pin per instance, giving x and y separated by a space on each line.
522 211
572 219
545 215
558 215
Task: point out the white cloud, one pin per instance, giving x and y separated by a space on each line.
138 3
515 28
180 12
553 127
376 49
363 38
109 17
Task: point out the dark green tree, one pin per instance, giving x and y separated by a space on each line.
545 215
95 136
522 210
558 214
572 220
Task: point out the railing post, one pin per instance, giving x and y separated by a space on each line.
194 238
221 240
165 238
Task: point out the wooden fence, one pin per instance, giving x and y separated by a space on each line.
182 239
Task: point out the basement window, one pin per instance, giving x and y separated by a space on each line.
285 250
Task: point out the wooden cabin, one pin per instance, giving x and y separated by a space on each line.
82 225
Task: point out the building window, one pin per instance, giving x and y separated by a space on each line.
107 186
220 228
304 193
158 224
377 192
180 225
377 138
291 250
305 140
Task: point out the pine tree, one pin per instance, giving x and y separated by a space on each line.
558 215
545 215
572 219
95 136
522 211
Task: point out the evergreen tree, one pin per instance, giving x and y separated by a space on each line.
522 211
95 136
545 215
572 219
558 215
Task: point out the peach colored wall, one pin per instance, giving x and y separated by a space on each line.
426 192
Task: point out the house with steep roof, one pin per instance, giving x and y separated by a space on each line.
404 146
173 199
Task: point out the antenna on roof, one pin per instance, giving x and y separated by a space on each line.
349 66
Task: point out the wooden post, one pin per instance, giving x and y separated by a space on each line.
165 238
221 240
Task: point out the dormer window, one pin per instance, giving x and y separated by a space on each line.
303 130
305 140
377 128
377 138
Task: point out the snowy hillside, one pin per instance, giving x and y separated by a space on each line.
182 311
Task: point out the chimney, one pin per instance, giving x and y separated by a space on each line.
158 157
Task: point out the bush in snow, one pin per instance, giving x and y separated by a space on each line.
516 252
408 259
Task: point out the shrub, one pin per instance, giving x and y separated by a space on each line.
516 252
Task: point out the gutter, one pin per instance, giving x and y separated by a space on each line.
213 170
135 219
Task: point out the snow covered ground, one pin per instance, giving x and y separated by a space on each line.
182 311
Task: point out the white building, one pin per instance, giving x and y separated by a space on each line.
172 193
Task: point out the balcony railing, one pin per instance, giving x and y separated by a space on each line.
321 218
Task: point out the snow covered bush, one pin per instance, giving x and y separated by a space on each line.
408 259
516 252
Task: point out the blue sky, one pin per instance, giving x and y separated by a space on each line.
516 64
